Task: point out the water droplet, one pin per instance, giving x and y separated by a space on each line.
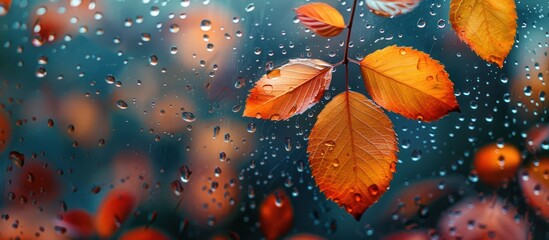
185 173
288 144
441 23
373 189
216 131
421 23
251 127
153 60
250 7
358 197
267 88
416 155
422 64
17 158
121 104
188 116
205 25
274 74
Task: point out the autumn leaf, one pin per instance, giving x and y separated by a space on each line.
352 152
487 26
534 183
143 233
289 90
276 215
115 208
321 18
409 82
486 217
389 8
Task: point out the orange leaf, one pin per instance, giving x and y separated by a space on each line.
276 215
497 164
483 218
143 233
352 152
78 224
487 26
321 18
389 8
534 183
115 208
409 82
289 90
5 130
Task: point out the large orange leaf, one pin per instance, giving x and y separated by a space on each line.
276 215
352 152
487 26
389 8
321 18
409 82
289 90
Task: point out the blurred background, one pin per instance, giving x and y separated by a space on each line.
125 117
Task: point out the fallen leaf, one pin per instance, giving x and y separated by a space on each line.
289 90
352 152
409 82
389 8
321 18
276 215
487 26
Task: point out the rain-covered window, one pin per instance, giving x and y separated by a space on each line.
264 119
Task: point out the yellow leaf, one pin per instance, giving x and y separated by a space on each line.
289 90
389 8
487 26
321 18
409 82
352 152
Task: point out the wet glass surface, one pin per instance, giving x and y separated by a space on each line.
126 117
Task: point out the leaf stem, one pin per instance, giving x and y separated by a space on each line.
346 53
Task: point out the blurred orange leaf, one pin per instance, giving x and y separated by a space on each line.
5 130
321 18
389 8
78 223
534 183
497 164
115 208
289 90
487 26
409 82
276 215
483 218
143 233
352 152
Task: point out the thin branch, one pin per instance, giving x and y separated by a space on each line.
346 54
